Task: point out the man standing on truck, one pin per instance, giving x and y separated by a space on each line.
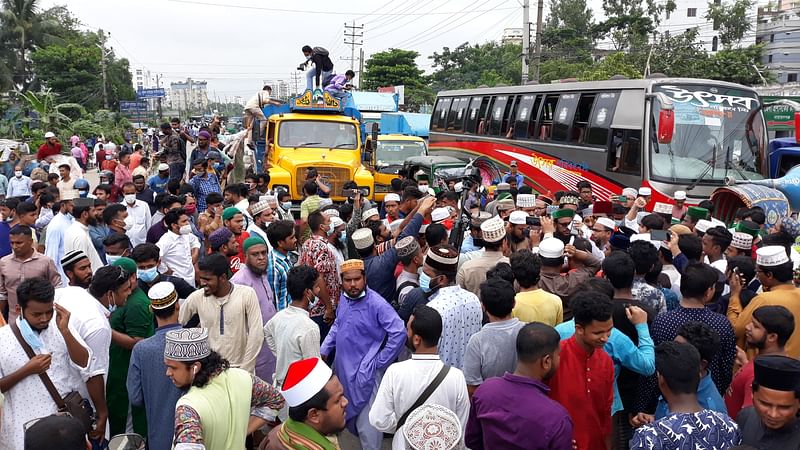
323 66
340 84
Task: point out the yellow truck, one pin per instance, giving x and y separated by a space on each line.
388 156
315 130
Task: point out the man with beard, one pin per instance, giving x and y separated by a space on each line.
23 263
263 215
231 312
54 242
493 425
517 223
602 230
405 381
223 404
234 220
367 336
76 237
78 269
254 275
317 405
768 331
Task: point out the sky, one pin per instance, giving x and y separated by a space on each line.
235 45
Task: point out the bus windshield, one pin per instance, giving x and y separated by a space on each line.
317 134
391 153
709 141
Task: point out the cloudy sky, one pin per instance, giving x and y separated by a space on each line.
236 44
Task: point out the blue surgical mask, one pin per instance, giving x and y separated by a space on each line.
147 275
424 282
30 336
343 237
111 259
287 206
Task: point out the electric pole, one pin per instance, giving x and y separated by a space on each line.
526 40
353 32
103 65
538 49
360 66
295 82
158 85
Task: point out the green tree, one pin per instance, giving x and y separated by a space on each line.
629 23
736 65
731 20
23 28
558 69
47 111
613 64
396 67
679 55
569 31
469 66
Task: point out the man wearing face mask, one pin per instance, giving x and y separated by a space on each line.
367 335
54 243
284 199
203 183
148 261
180 248
315 253
116 245
337 240
139 214
76 237
132 321
19 185
116 217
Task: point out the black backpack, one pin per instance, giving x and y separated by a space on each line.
320 51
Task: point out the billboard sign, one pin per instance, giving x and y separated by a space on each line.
151 93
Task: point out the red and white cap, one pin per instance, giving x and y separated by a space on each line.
304 379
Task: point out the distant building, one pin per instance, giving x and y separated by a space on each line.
690 14
280 88
188 95
238 99
512 36
779 31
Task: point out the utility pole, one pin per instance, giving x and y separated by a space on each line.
295 82
538 49
353 32
158 85
360 66
526 40
103 65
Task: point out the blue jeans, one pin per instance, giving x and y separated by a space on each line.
311 75
176 171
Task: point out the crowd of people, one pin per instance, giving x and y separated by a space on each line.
202 314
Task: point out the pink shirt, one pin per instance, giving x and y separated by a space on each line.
122 175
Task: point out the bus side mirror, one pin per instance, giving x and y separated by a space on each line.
666 125
797 127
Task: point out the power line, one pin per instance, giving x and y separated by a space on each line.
306 11
444 27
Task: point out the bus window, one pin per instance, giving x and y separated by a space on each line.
486 105
458 124
625 152
439 118
496 118
582 115
451 116
510 113
546 117
472 115
604 106
564 114
524 112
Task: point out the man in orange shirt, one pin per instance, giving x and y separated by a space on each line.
584 381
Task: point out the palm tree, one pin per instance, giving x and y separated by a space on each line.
22 29
49 113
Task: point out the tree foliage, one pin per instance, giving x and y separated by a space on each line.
629 23
731 20
569 31
396 67
469 66
614 64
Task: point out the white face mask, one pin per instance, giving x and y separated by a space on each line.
18 173
423 188
186 229
130 199
128 223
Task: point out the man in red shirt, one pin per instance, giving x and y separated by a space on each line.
233 220
768 332
584 381
50 147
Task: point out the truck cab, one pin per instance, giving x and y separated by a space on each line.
387 156
313 130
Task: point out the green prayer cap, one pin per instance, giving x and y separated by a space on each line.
562 213
697 212
674 221
229 212
127 264
743 227
251 241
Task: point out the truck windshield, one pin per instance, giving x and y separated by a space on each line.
391 153
709 141
317 134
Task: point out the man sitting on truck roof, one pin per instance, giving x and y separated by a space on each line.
340 84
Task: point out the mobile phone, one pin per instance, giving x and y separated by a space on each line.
621 198
533 221
659 235
349 193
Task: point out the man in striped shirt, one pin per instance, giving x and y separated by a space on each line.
282 238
